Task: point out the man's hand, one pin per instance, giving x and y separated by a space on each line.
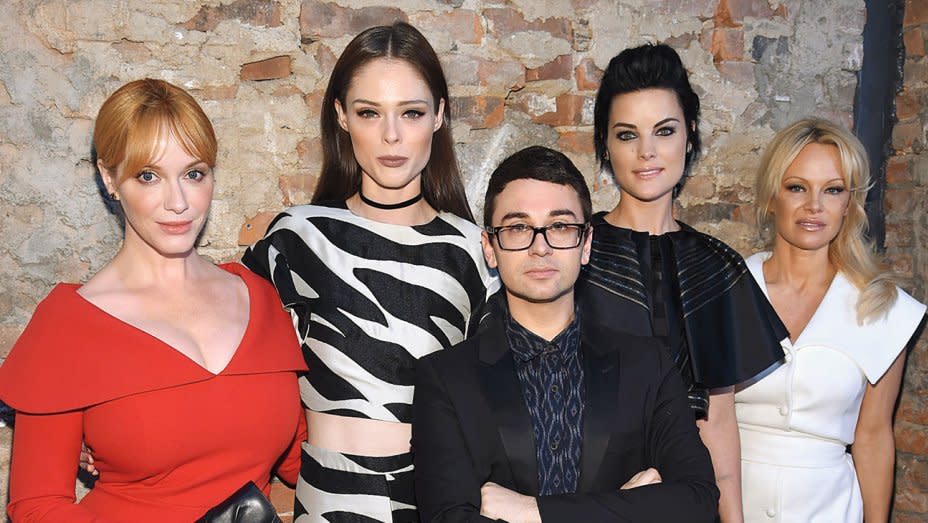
498 502
648 476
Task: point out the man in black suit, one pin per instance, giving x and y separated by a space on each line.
540 416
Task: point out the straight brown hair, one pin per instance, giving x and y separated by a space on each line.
340 178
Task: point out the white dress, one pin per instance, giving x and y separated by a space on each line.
797 419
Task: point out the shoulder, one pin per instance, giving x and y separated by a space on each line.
873 345
691 239
905 314
257 286
300 213
64 358
604 231
755 264
464 227
455 359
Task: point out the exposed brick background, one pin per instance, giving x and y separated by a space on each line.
907 250
521 72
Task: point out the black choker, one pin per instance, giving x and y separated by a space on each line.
390 206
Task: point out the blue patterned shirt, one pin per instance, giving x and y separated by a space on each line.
551 375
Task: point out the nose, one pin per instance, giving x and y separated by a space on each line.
175 200
391 131
539 246
814 202
646 148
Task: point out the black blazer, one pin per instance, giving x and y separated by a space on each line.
471 426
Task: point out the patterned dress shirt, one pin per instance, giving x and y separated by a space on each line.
551 376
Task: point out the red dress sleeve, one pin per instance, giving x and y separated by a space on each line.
289 467
44 468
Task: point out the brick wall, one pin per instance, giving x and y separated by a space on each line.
907 249
521 72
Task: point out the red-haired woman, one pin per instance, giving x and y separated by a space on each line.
179 374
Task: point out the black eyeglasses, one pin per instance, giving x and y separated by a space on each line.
521 236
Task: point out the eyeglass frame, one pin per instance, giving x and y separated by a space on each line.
543 230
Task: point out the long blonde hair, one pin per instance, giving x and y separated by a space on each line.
850 251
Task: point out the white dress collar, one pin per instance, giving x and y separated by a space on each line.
874 345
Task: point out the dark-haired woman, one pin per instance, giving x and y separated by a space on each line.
654 276
384 267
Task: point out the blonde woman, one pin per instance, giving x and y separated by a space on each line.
849 325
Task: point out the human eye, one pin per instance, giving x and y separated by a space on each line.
146 177
195 175
626 136
795 187
835 189
560 227
366 113
666 131
413 114
518 228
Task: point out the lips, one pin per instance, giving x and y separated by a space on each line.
649 172
541 272
392 161
176 227
811 225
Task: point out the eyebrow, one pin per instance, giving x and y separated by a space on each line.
552 214
194 163
377 104
658 124
801 178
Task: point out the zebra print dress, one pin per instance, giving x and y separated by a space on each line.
368 299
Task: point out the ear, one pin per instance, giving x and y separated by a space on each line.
109 177
488 253
587 247
440 120
341 116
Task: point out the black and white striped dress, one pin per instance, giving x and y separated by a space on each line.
368 299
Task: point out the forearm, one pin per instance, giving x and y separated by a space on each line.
288 468
51 510
874 459
719 433
693 500
44 469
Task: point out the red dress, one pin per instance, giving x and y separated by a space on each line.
170 438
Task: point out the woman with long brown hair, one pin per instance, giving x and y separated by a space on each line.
848 325
383 267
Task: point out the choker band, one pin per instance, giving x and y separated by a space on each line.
389 206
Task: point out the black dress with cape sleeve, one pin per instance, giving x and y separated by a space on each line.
689 289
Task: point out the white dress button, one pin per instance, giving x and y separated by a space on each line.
784 410
771 513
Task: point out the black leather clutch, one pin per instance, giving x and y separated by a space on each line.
246 505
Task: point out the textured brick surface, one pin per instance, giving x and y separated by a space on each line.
269 69
907 252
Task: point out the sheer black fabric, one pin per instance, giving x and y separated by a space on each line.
689 290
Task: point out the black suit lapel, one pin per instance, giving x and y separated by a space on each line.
503 393
600 416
